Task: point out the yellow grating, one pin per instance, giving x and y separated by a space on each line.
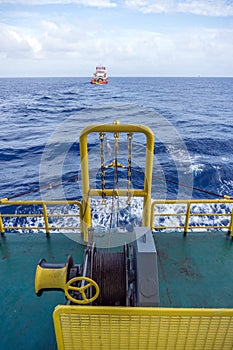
123 328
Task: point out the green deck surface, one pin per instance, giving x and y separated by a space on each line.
195 271
26 320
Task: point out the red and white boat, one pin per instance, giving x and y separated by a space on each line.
100 76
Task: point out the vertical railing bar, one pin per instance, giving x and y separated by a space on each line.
152 217
81 217
186 225
230 229
1 226
46 219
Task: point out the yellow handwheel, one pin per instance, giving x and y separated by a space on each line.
82 290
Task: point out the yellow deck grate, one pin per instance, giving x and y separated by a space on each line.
124 328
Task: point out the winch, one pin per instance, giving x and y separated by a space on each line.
118 268
119 271
126 277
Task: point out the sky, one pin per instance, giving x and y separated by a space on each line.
130 37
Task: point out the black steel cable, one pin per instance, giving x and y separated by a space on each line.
110 274
37 189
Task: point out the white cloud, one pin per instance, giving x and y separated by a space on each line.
148 6
147 52
58 43
14 44
206 7
197 7
67 39
133 52
35 45
94 3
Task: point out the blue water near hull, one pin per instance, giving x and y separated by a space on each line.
198 110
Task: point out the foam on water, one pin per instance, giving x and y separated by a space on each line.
118 215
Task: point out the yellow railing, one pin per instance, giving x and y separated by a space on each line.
47 216
184 211
174 214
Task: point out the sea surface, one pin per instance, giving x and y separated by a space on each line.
42 118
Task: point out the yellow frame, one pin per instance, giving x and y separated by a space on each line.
87 192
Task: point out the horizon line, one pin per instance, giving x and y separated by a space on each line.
117 76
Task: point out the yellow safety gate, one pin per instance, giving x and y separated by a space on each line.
133 328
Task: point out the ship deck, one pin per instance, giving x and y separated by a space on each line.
194 271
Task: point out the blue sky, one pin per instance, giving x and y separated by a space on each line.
130 37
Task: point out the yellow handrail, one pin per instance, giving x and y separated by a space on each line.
185 225
188 213
48 226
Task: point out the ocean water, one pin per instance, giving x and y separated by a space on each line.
42 118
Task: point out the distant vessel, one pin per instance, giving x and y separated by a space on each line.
100 76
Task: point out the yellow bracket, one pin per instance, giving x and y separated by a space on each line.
4 200
113 165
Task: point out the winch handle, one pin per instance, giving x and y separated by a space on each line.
82 290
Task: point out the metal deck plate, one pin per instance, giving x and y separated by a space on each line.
195 271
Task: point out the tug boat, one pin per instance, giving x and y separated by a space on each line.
100 76
146 286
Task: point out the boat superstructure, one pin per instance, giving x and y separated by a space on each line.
132 287
100 76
